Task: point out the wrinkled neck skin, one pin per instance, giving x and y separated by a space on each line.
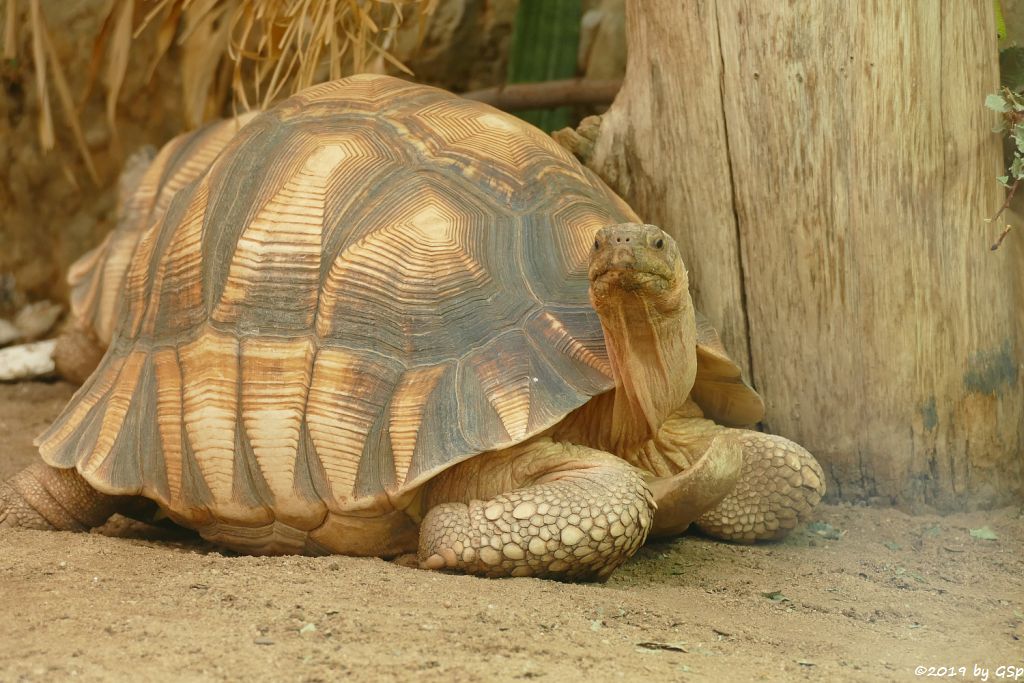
651 340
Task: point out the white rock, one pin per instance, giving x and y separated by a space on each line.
8 333
27 361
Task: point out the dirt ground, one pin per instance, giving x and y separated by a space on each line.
863 595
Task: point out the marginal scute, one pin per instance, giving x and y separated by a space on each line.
275 382
169 416
505 374
555 333
719 388
210 407
115 407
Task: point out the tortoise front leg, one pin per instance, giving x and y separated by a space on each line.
542 508
777 486
50 498
684 497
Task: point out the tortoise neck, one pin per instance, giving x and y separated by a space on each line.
653 358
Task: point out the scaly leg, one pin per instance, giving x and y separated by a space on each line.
779 486
779 482
49 498
542 508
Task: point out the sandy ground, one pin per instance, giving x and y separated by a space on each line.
865 595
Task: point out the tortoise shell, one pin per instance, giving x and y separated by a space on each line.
373 281
146 188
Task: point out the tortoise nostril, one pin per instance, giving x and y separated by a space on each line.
627 239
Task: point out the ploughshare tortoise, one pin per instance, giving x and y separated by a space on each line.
386 320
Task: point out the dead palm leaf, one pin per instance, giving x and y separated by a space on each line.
46 62
270 48
256 50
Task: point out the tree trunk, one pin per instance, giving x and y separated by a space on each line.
826 168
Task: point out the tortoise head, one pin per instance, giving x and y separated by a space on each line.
638 260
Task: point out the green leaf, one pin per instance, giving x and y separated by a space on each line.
984 534
1017 167
1004 180
1017 133
997 103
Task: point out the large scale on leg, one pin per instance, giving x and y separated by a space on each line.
386 318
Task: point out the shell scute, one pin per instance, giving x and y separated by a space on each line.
147 188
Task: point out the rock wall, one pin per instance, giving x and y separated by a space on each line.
50 210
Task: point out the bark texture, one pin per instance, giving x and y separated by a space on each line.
826 168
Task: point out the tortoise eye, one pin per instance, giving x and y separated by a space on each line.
597 244
659 244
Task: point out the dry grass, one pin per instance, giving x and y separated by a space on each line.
253 51
262 50
44 57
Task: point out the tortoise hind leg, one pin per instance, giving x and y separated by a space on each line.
50 498
542 509
77 354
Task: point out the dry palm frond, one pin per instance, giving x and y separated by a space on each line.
260 50
10 35
44 57
256 50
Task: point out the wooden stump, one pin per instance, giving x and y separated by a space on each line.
826 168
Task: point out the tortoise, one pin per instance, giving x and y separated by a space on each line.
387 320
146 187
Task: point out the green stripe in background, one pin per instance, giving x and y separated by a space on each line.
545 41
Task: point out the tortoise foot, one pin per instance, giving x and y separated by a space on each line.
577 524
15 513
779 485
